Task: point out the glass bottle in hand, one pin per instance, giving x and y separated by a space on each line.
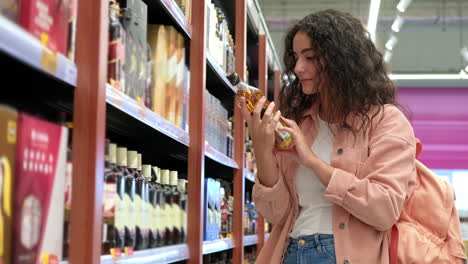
252 95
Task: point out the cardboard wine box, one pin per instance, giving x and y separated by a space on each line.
8 133
47 20
39 191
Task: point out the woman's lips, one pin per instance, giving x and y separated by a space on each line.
305 80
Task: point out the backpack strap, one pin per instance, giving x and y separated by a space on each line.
394 245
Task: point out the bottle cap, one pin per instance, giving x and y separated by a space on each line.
234 78
139 161
181 185
165 177
132 159
113 153
122 157
146 169
157 174
173 178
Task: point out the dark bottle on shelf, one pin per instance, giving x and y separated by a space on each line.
128 200
147 215
142 189
135 218
182 187
247 215
175 212
224 215
152 203
114 208
116 57
166 209
159 205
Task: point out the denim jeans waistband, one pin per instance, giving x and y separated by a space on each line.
317 240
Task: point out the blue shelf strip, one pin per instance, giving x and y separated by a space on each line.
145 115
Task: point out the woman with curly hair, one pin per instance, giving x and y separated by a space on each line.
334 195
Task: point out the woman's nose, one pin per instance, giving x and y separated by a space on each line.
299 68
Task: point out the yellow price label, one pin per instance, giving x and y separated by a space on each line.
49 61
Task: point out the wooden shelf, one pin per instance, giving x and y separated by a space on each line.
128 105
219 157
219 72
22 46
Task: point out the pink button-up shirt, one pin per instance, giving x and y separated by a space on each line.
374 174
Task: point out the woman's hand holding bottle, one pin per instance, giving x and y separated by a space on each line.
262 132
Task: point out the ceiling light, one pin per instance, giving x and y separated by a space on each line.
396 26
391 42
428 76
464 53
387 56
373 15
403 5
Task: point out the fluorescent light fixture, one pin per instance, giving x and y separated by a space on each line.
403 5
387 56
373 15
396 26
428 77
391 42
464 53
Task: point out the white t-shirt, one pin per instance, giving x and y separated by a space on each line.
315 214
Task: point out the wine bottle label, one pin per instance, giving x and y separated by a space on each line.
130 223
172 221
285 136
120 214
138 211
164 215
176 211
157 219
110 190
184 219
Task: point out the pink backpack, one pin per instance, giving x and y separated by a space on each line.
428 230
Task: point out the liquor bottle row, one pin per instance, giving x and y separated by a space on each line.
33 157
218 128
219 208
250 216
224 257
147 62
250 255
144 206
249 157
220 42
52 22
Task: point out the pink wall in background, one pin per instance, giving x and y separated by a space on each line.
440 120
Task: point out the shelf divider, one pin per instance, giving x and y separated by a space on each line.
196 153
262 83
240 39
89 114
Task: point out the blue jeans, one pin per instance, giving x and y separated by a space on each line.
315 249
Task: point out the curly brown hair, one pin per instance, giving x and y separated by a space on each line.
350 69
